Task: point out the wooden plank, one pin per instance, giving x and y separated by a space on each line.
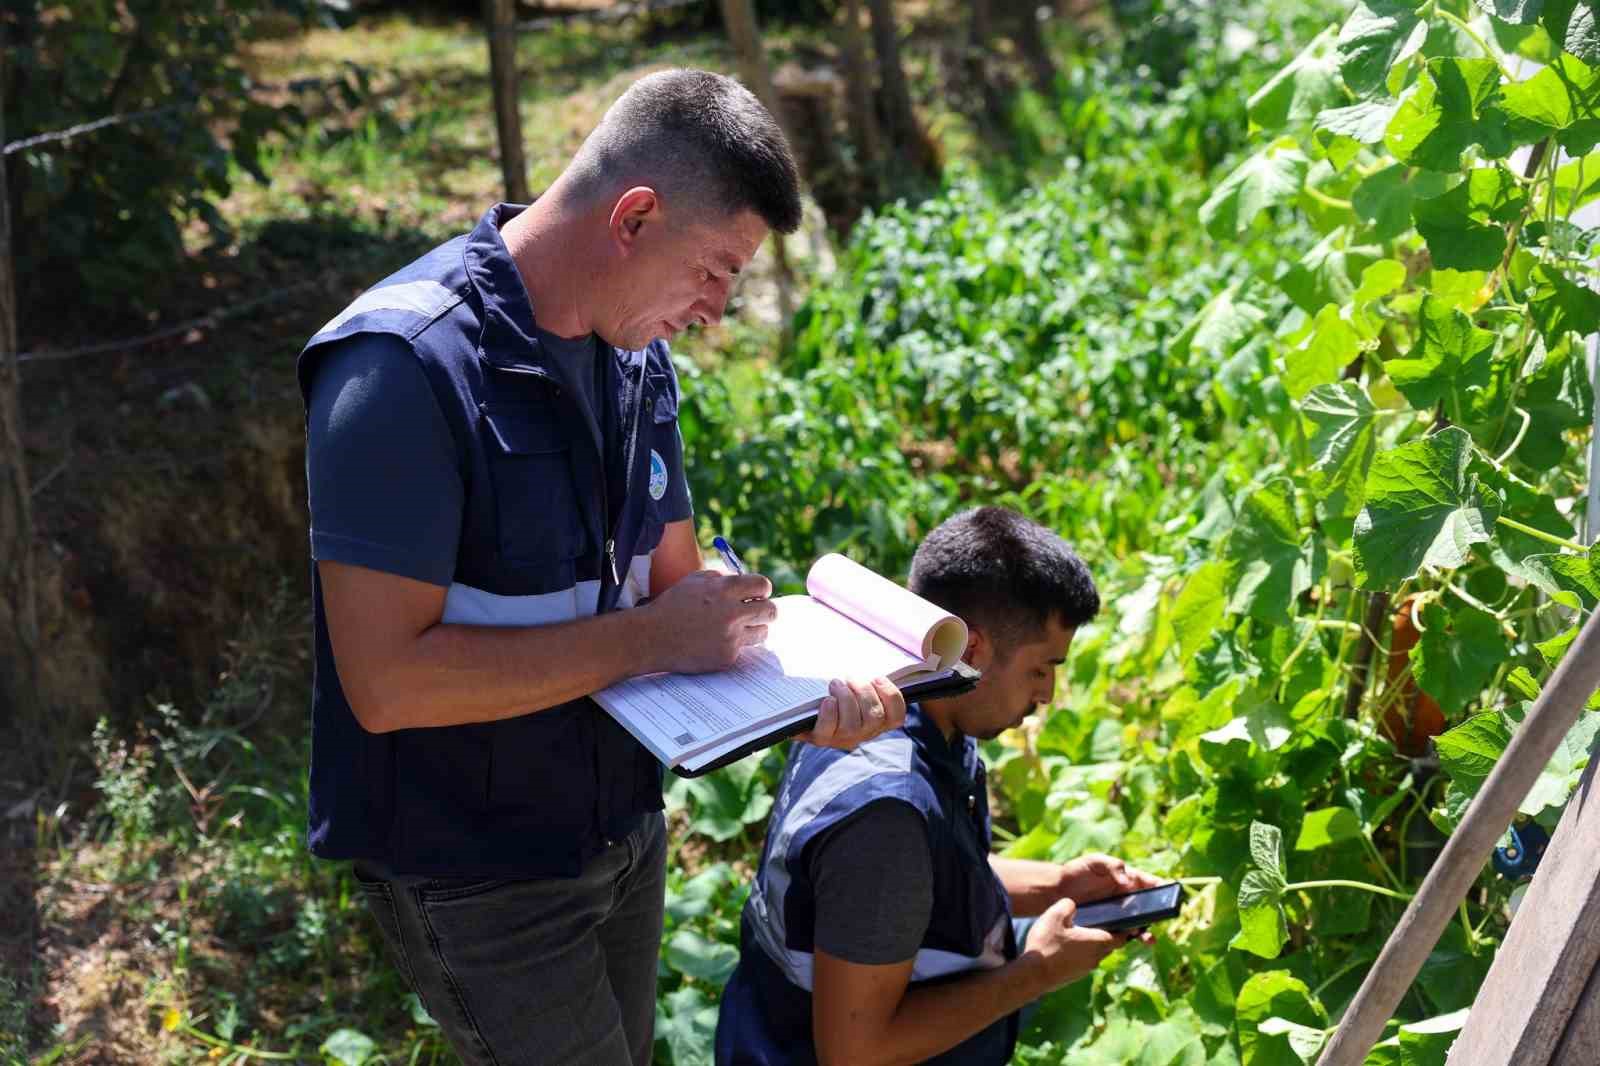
1580 1046
1468 848
1539 973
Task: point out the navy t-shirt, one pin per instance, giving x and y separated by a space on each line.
385 491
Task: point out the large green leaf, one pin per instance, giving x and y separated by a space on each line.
1560 775
1521 12
687 1020
1385 198
1469 751
1575 574
1306 85
1446 112
1224 323
1342 440
1198 611
1330 825
1424 510
1263 929
1271 559
1274 994
1428 1043
707 960
1465 228
349 1047
1557 397
1563 94
1272 176
1457 655
1326 273
1573 23
1323 356
1450 363
1377 35
1560 304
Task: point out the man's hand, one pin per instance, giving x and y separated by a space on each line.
1067 951
1095 876
704 620
855 712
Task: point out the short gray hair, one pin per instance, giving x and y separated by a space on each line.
697 137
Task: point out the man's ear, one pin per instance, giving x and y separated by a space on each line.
634 209
980 649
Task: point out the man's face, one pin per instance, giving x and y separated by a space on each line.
1017 678
678 273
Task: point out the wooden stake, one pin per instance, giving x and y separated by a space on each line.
1468 849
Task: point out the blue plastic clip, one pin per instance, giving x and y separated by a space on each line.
1520 857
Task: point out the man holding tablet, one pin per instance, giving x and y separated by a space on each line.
879 928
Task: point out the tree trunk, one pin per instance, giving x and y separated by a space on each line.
910 143
499 18
739 17
17 578
862 109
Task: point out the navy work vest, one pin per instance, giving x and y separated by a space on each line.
765 1018
535 795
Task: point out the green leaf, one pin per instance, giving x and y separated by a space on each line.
1304 1041
1271 559
1423 512
1272 176
1562 94
1557 397
1577 574
1560 305
687 1020
1342 440
1268 995
1263 929
1469 751
1385 198
1365 122
1376 36
1265 725
1222 325
1331 825
707 960
1457 655
1521 12
1446 112
1427 1043
1464 228
1266 849
1451 362
1560 775
1197 613
1324 274
1323 356
1573 23
349 1047
1308 84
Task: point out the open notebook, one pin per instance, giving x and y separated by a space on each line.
854 625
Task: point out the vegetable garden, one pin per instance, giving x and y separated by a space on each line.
1327 456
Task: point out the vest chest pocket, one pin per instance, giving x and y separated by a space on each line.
535 506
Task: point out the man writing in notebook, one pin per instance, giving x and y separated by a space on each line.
879 928
495 476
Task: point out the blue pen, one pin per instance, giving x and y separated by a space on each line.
725 550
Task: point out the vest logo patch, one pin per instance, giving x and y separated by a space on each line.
658 475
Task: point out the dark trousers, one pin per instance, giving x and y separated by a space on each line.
549 971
